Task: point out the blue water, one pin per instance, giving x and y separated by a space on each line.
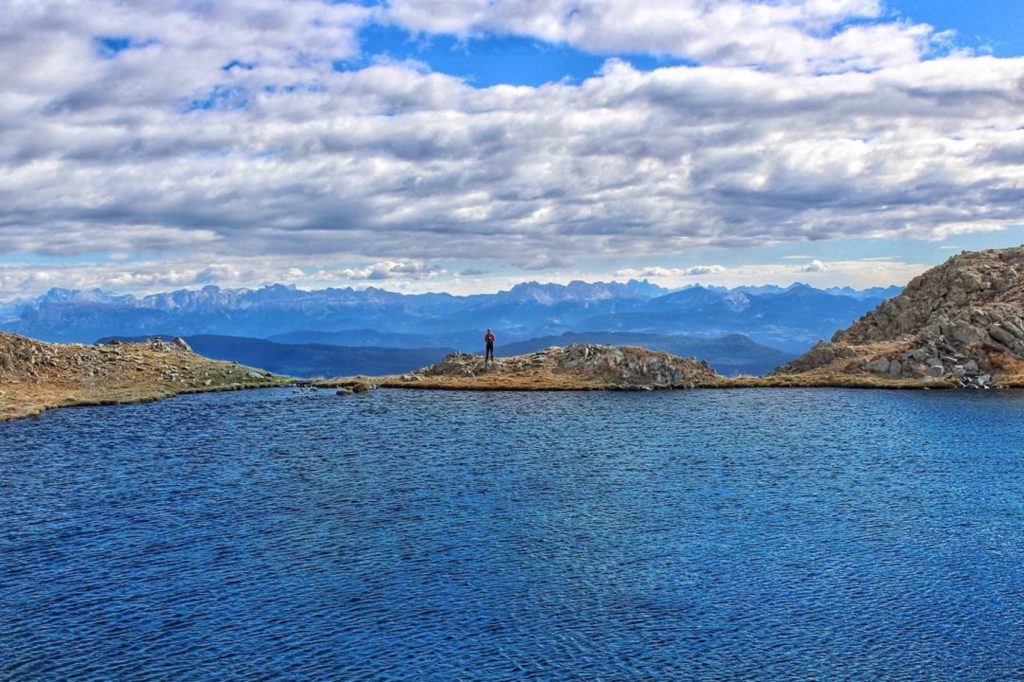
820 534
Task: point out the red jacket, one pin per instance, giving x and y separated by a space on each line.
489 337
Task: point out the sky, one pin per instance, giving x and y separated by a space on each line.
466 145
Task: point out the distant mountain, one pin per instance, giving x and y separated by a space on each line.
310 360
792 318
467 340
729 355
881 293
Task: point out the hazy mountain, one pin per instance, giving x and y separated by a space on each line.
468 340
792 318
311 360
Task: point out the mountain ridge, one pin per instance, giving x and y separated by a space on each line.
792 318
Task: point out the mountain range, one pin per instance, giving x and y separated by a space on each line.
790 319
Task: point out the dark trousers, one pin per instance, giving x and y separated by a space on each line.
490 352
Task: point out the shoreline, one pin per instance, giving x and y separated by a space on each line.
13 413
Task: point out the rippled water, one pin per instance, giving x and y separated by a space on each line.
439 536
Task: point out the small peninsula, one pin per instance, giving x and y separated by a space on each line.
37 376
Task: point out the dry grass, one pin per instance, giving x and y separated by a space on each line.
39 376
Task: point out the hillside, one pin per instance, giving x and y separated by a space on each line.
36 376
961 323
576 367
730 355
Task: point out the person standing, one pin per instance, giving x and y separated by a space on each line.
489 341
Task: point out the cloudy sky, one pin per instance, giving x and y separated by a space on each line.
463 145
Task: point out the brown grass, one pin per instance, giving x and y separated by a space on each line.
40 376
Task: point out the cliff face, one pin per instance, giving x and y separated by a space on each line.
581 366
35 376
961 322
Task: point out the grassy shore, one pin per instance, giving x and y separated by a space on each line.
36 376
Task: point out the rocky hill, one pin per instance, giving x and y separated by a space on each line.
574 367
36 376
961 323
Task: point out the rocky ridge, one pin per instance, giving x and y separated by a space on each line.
961 323
35 376
579 366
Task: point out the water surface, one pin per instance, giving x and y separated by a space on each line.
749 534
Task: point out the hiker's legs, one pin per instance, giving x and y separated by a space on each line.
490 352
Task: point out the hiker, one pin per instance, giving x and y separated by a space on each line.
489 340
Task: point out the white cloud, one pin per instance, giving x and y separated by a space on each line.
814 266
663 273
860 273
382 270
792 35
392 164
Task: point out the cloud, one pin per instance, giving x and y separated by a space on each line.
814 266
857 273
26 280
791 35
392 270
658 272
221 133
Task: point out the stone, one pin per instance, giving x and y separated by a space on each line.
1002 336
879 365
965 333
626 366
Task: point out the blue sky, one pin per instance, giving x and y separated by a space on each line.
467 145
488 59
994 24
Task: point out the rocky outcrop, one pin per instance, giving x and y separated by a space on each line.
582 366
961 322
35 376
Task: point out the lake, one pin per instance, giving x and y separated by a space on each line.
740 534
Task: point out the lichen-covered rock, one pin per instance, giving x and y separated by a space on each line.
615 367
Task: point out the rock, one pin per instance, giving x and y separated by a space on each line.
1003 336
879 366
964 333
181 344
627 366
